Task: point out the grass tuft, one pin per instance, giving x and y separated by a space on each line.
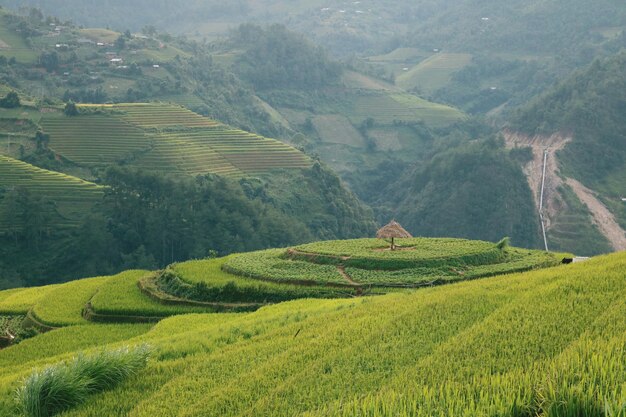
62 386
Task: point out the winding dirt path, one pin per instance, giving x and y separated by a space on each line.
602 217
344 274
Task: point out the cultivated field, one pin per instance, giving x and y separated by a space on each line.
166 137
387 108
337 129
432 73
94 139
550 342
71 198
366 263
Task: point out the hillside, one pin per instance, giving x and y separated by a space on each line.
500 54
165 138
171 157
587 107
62 200
547 342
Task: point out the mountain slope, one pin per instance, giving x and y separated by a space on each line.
61 200
589 107
166 138
547 342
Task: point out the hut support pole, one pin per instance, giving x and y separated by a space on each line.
393 247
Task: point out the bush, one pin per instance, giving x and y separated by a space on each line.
65 385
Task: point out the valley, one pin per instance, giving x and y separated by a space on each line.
189 194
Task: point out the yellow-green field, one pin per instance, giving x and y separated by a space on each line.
73 198
433 73
550 342
166 137
387 108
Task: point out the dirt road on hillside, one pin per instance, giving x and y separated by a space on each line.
534 169
602 217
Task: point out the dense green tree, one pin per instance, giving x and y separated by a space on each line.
277 58
71 109
10 101
49 60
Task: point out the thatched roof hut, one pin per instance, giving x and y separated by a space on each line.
393 231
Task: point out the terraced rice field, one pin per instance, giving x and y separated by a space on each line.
433 73
369 263
160 116
72 197
167 137
219 285
121 297
94 139
543 343
388 108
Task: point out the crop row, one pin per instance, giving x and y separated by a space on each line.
516 261
162 115
411 253
94 138
72 197
207 281
186 142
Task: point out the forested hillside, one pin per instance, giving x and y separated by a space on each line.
249 191
431 165
475 190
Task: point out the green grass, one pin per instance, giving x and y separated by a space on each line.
188 100
400 55
58 344
121 296
337 129
21 113
433 73
100 35
60 387
574 228
64 305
